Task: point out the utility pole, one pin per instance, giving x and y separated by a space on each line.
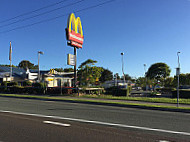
39 52
75 68
123 68
145 75
178 73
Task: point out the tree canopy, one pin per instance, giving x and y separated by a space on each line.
158 71
88 73
106 75
27 64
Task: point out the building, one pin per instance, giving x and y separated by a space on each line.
50 77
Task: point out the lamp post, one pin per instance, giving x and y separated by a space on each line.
145 75
39 52
122 68
178 73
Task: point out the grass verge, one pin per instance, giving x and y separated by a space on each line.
97 101
145 99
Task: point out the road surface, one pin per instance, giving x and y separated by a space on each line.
35 120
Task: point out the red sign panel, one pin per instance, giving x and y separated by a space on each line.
75 39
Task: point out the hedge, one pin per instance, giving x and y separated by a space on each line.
166 90
115 91
34 90
183 93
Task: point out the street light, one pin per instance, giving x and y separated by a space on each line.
39 52
145 75
178 73
122 68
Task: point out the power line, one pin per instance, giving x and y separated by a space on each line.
21 20
29 25
33 11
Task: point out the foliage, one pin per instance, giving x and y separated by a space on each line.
27 83
127 77
88 62
184 79
59 69
38 85
169 82
117 75
27 64
68 70
115 91
4 83
158 71
183 93
8 65
106 75
142 82
12 83
88 73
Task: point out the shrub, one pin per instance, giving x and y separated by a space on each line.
27 83
12 84
4 83
165 90
183 93
115 91
38 85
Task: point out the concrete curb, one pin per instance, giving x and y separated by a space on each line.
103 103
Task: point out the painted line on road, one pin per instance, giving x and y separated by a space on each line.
98 122
57 123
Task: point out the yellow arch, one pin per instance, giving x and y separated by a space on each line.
76 24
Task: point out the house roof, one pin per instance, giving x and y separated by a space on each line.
16 71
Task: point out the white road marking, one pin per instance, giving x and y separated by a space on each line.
98 122
56 123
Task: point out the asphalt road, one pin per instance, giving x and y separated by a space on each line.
87 122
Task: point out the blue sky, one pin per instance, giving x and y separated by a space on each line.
147 31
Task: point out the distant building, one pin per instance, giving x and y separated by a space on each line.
51 78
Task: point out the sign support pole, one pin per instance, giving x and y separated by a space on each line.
75 67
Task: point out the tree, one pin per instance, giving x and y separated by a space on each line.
68 70
158 71
88 73
8 66
127 77
117 75
27 64
88 62
106 75
169 82
59 69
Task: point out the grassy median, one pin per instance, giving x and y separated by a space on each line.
144 99
74 99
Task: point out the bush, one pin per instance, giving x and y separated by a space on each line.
115 91
12 84
183 93
38 85
165 90
4 83
27 83
57 90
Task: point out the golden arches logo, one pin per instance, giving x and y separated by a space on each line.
76 24
74 31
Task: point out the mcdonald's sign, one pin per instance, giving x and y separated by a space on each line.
74 32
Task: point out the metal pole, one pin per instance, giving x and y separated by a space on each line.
75 67
61 86
38 67
178 80
145 75
123 69
11 70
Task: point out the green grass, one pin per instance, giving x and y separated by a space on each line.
95 101
145 99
